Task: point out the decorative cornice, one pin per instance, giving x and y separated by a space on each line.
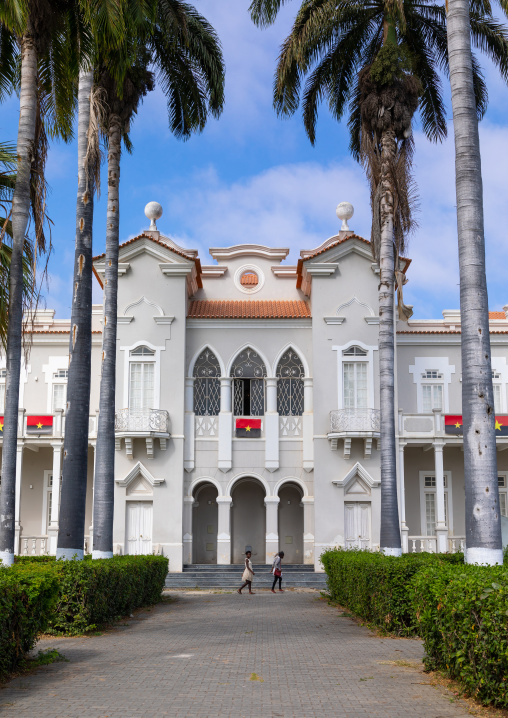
249 250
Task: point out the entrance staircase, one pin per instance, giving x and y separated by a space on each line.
229 576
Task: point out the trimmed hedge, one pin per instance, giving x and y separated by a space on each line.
462 616
460 612
375 587
27 597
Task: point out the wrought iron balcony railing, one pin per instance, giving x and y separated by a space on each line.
354 421
142 421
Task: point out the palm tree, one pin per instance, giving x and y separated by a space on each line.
184 49
380 59
483 522
36 39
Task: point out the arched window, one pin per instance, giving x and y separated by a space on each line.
248 371
206 384
290 375
141 378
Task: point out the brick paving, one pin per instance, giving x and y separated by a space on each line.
286 655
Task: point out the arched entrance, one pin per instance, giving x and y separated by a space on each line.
204 524
248 521
291 523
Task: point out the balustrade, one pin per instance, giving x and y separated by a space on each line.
142 421
354 421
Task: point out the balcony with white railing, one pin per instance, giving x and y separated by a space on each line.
419 544
147 424
348 424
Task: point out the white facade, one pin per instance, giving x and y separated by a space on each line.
251 337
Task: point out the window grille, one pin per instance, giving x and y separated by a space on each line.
3 373
61 374
432 374
207 384
142 352
430 482
501 482
354 352
248 371
290 375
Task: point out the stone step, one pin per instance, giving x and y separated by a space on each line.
235 567
209 576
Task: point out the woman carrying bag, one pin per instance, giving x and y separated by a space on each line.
277 571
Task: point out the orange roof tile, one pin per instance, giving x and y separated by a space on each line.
248 309
249 279
335 244
497 315
153 239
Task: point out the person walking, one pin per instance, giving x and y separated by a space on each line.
248 573
277 571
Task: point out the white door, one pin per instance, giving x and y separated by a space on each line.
139 527
357 524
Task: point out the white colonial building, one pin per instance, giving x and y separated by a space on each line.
292 350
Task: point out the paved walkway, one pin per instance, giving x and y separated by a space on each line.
265 656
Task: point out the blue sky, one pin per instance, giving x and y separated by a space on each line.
250 177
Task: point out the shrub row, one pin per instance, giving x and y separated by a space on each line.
375 587
27 597
460 612
71 597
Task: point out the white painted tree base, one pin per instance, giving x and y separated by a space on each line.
102 554
391 551
6 558
484 556
69 554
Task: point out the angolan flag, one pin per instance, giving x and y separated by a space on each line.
1 425
453 425
248 428
39 425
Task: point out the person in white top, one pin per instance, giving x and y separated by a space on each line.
248 573
277 571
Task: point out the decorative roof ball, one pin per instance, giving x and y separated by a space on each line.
345 211
153 211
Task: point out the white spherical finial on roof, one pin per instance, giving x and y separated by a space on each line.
153 211
345 211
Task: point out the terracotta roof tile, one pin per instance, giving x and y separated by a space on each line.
497 315
248 309
335 244
249 279
157 241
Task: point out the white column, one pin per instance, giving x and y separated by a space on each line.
224 529
17 511
272 527
225 457
404 531
441 528
189 426
308 425
308 529
188 503
271 426
55 497
89 545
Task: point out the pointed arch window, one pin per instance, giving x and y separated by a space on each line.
207 384
290 374
248 372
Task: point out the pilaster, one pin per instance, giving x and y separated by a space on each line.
308 529
272 527
224 529
225 453
271 426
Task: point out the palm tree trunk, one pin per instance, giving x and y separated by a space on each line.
390 542
20 214
483 522
105 452
71 531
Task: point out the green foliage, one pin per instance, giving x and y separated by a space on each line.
463 620
34 559
97 592
391 63
28 594
375 587
45 658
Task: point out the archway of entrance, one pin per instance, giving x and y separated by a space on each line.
291 523
204 524
248 520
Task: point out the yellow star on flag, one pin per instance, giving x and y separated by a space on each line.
457 425
498 425
247 428
1 427
39 425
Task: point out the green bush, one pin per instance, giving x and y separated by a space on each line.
27 596
463 620
34 559
375 587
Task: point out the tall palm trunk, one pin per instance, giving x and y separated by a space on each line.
390 531
483 522
105 457
20 214
71 532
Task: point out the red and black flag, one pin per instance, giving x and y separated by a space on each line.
248 428
39 425
1 426
453 425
